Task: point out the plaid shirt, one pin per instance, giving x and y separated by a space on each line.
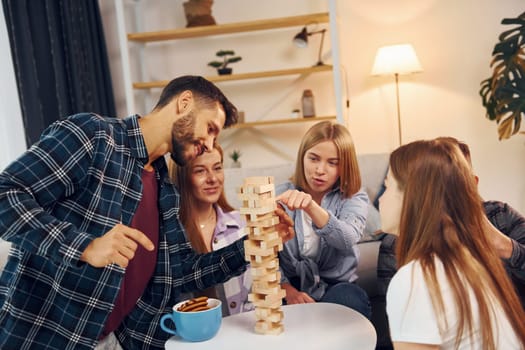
75 184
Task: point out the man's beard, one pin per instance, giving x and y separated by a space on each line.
182 135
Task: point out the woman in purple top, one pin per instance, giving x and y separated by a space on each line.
210 221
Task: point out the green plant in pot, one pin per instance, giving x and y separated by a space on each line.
228 56
235 155
503 94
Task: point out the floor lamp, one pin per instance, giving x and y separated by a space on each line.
396 60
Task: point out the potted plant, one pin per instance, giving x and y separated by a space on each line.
235 155
228 56
503 94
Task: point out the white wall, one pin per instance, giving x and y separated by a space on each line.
12 141
454 41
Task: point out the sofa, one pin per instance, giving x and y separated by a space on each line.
373 168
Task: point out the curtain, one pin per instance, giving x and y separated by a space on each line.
60 60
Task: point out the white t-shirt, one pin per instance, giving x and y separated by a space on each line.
412 319
311 239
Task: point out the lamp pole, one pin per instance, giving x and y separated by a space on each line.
398 110
319 60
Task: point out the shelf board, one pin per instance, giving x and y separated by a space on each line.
229 28
280 121
241 76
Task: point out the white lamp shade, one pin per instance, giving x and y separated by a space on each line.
396 59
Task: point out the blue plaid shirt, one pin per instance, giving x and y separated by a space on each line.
75 184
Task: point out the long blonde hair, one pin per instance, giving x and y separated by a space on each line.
181 176
349 176
443 217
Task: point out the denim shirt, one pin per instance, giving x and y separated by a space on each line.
77 182
338 254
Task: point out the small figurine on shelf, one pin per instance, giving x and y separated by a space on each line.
227 58
198 13
308 104
235 155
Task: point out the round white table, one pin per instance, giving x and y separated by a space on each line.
306 326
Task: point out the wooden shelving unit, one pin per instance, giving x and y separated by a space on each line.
229 28
143 38
242 76
281 121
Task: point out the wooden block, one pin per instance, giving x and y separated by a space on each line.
259 260
258 210
266 287
263 327
260 300
264 243
259 217
274 276
260 222
248 203
267 314
270 243
263 272
267 262
248 190
262 200
256 189
252 248
258 180
249 194
266 237
264 189
279 295
260 231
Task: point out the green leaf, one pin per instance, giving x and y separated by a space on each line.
223 53
233 59
503 94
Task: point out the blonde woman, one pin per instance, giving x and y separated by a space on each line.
451 290
329 211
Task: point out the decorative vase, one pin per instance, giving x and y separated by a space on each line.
236 164
224 71
308 104
198 13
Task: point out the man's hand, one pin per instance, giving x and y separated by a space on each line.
293 296
501 242
117 246
285 225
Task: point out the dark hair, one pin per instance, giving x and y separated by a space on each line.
206 94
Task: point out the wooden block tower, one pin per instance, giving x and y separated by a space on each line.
258 205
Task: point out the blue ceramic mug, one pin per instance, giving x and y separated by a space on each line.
194 325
